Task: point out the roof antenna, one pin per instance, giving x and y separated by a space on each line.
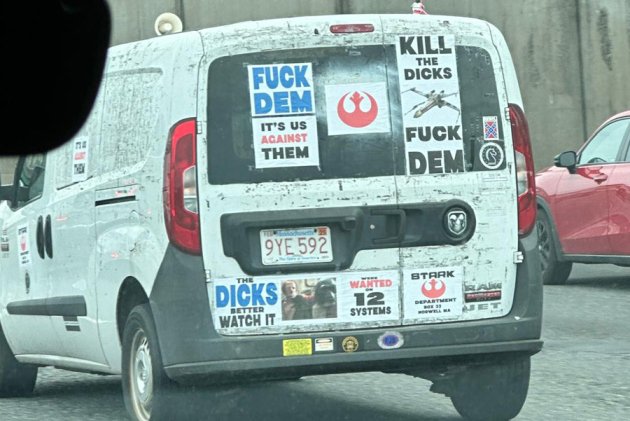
417 8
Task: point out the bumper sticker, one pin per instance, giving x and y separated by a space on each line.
297 347
324 344
350 344
391 340
433 294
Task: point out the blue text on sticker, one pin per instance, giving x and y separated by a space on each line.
281 89
245 295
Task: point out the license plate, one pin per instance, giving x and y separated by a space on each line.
296 246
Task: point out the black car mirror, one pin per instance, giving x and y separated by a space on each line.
566 160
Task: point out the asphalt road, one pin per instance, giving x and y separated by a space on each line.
583 373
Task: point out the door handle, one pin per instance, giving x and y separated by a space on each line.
600 178
48 238
39 237
401 216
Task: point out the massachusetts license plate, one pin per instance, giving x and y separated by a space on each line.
296 246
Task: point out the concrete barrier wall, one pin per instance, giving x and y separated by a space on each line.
605 50
572 56
7 168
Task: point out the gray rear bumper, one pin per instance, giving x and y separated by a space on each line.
192 350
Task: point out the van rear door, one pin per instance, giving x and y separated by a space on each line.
297 169
458 189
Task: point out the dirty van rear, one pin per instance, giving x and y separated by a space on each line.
294 197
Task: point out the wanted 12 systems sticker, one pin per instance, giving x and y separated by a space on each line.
357 108
370 296
432 294
430 98
283 115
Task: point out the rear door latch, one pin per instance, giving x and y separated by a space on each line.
518 257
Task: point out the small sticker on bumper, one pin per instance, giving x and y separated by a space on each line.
350 344
296 347
324 344
391 340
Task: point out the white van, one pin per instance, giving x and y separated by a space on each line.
284 198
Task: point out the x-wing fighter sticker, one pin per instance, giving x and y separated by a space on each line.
432 99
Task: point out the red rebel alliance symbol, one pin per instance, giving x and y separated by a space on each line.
357 118
434 291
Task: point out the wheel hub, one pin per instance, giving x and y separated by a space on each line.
141 376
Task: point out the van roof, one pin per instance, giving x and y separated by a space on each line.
461 23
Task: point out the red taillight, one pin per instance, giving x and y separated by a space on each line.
525 173
182 220
352 28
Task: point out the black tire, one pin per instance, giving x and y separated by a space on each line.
494 392
554 272
146 387
16 379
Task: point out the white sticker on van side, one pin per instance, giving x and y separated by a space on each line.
24 248
284 125
357 108
80 159
431 107
4 244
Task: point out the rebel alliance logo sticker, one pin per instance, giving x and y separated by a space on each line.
357 118
432 294
357 108
433 288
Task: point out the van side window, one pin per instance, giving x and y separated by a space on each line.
30 179
129 126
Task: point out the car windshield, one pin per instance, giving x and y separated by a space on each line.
414 210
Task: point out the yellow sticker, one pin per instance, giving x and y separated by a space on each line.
293 347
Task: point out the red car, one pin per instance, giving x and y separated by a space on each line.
584 203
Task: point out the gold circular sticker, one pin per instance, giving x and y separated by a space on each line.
350 344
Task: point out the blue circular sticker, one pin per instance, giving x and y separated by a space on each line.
391 340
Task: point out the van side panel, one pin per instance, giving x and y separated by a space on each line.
149 86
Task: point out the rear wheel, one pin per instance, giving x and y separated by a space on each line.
554 272
145 385
494 392
16 379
